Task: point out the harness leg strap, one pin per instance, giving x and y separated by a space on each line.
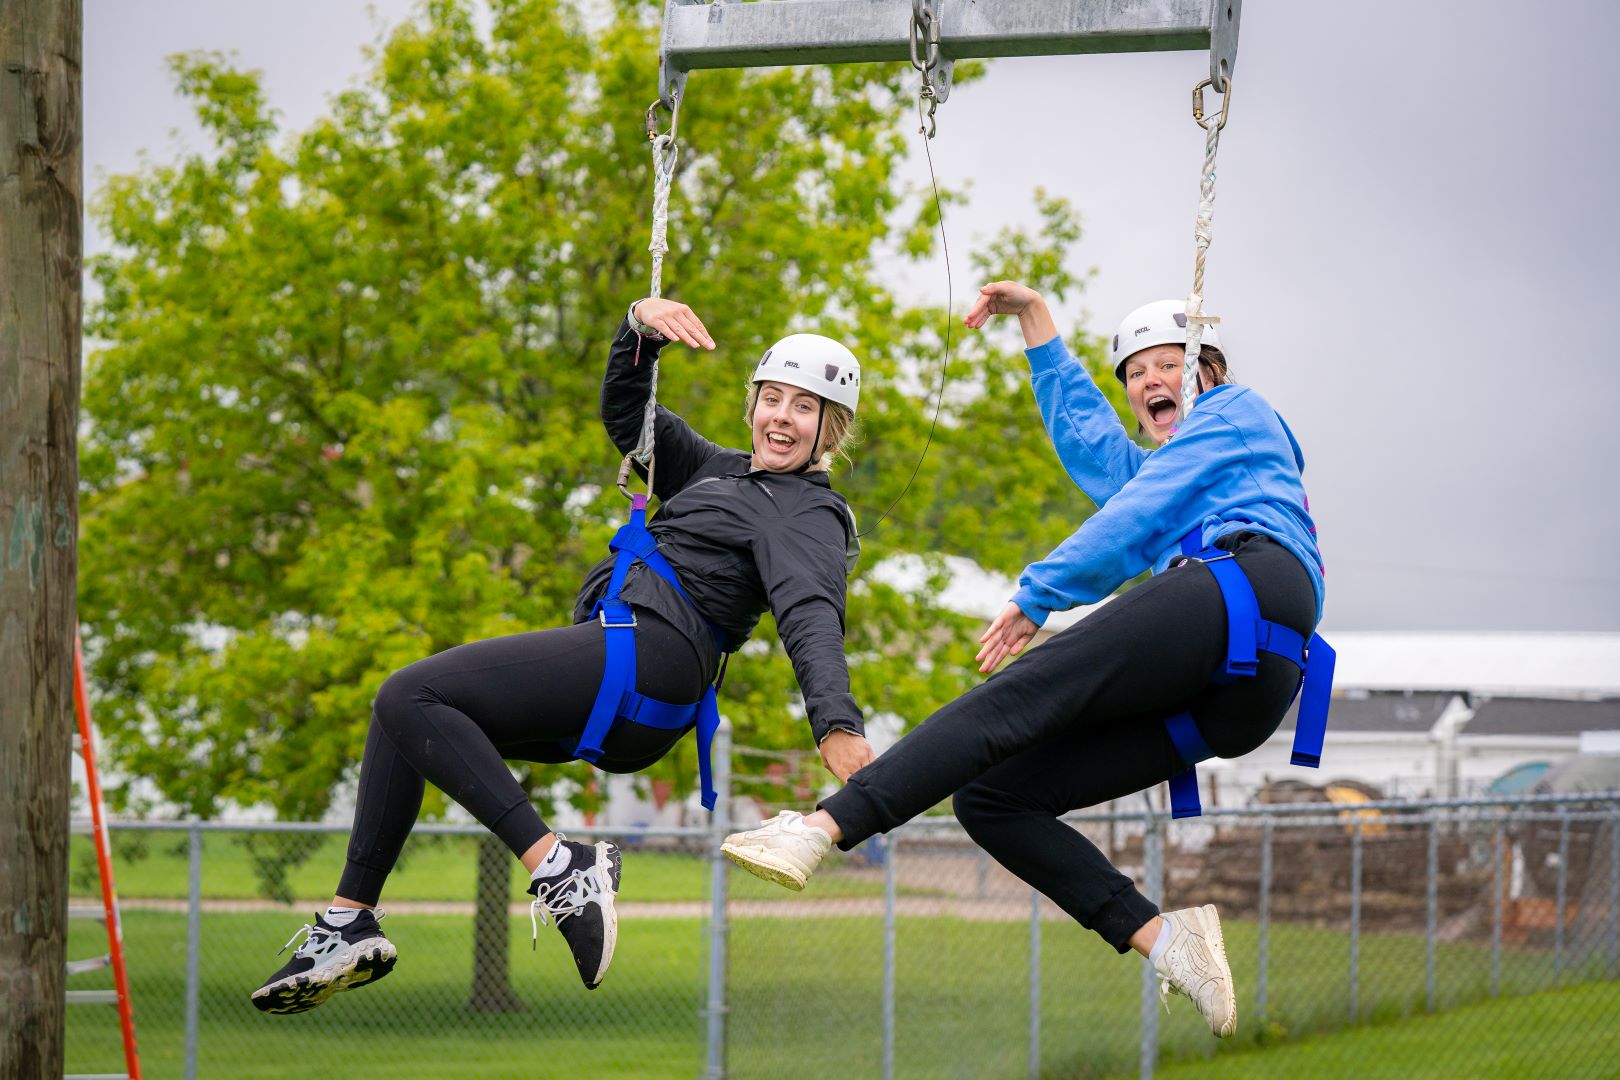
708 722
1189 743
1242 615
618 673
1310 724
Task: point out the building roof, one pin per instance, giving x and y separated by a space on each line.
1417 713
1521 716
1399 714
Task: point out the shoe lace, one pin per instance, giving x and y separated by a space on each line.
314 943
569 895
1166 988
311 943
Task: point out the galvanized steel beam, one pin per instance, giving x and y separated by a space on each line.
775 33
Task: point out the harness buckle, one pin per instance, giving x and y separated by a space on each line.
602 617
1185 559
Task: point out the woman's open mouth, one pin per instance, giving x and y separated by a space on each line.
779 443
1162 409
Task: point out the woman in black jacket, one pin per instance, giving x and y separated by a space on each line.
737 532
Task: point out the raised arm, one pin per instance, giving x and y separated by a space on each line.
1095 450
1175 490
680 450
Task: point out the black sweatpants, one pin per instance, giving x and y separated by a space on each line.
453 717
1079 721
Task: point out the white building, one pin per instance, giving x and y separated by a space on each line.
1444 713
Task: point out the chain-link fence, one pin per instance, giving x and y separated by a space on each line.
1378 938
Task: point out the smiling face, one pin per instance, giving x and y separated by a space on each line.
1153 387
784 422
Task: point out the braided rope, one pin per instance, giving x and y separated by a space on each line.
665 151
1202 234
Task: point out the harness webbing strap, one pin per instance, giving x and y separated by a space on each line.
1242 615
617 697
1248 635
618 670
1190 744
1310 726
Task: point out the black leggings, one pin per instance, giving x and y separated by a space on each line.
1079 721
453 717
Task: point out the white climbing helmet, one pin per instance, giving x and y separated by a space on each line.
1163 322
814 363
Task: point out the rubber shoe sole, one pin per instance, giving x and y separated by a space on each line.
362 964
762 864
609 855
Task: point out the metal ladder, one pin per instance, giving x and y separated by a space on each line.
108 911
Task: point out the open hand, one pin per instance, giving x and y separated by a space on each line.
1005 636
674 320
844 753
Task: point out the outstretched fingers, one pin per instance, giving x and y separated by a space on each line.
674 320
682 324
980 312
1006 636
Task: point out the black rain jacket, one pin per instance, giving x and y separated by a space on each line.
741 540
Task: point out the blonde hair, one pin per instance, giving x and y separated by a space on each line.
837 428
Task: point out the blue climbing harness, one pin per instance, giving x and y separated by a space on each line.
1247 634
617 699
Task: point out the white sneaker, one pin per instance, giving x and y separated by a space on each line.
784 849
1193 965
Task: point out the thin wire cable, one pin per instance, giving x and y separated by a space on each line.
950 314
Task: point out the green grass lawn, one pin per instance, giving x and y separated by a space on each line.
1567 1033
805 999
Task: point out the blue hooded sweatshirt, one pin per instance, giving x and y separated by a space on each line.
1233 467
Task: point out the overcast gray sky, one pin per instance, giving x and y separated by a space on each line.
1412 204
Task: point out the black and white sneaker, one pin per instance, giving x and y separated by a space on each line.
580 901
332 958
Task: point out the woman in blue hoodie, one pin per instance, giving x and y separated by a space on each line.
1084 719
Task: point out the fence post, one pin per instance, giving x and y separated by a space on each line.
1034 984
719 885
1355 919
1614 891
1498 869
888 954
1152 887
1563 890
1264 959
193 942
1432 904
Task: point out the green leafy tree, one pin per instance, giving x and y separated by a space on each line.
343 411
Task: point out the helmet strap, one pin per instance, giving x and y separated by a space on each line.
815 446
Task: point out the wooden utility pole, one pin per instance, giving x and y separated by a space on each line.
41 185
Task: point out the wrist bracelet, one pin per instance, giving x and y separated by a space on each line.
640 327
